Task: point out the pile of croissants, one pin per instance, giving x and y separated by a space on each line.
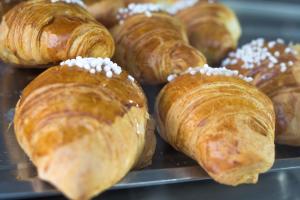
84 122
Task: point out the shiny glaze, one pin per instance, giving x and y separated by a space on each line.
221 122
284 90
83 131
96 96
212 28
41 32
151 48
57 33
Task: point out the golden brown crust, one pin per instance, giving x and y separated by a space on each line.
84 132
212 28
104 11
151 48
41 32
283 88
224 123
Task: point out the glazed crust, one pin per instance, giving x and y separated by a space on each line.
40 32
151 48
83 132
212 28
284 90
224 123
104 11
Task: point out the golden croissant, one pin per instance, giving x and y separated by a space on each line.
104 11
222 122
152 47
84 130
40 32
275 68
212 28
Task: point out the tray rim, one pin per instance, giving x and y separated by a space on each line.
134 179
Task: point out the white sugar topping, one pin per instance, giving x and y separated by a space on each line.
130 78
209 71
96 65
148 8
78 2
257 51
132 9
181 5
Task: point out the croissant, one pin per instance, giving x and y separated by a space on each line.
82 128
222 122
152 44
212 28
275 68
40 32
104 11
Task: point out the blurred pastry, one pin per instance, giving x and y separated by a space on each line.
275 68
104 11
151 44
213 28
6 5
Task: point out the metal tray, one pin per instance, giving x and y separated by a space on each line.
18 177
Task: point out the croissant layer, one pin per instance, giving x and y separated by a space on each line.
212 28
279 80
40 32
83 132
224 123
151 48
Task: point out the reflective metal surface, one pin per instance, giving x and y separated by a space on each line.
18 176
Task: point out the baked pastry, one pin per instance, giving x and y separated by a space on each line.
297 48
152 44
213 28
275 68
84 130
219 120
40 32
104 11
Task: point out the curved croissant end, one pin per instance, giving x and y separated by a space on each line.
64 125
151 48
212 28
224 123
41 32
